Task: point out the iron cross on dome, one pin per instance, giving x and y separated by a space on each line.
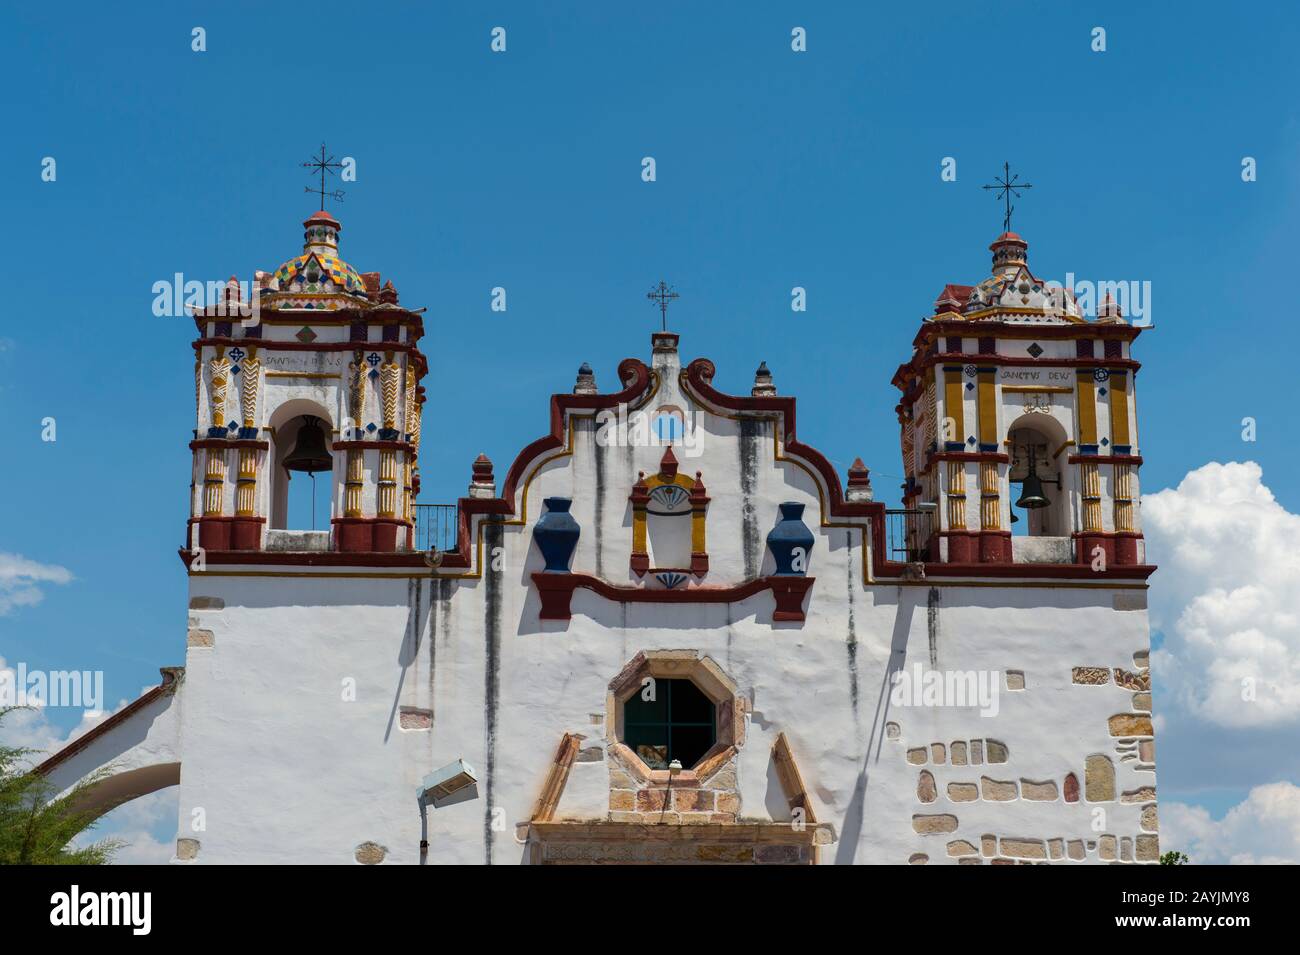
324 164
1007 187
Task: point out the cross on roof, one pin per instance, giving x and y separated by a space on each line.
1008 186
323 165
662 296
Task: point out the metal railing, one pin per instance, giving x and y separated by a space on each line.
436 526
909 534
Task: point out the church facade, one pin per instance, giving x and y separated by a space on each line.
667 631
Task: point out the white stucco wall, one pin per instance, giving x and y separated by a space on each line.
288 767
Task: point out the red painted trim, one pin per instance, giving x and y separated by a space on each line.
973 328
270 345
556 591
224 443
322 558
1026 571
168 685
342 445
636 378
699 374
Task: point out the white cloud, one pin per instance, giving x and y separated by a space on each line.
1264 829
20 581
1227 597
147 825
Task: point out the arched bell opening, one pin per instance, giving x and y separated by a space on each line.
302 480
1040 485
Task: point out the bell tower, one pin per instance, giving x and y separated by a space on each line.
314 371
1018 406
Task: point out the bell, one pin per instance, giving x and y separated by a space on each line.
309 453
1031 491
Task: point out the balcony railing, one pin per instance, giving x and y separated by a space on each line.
909 533
436 526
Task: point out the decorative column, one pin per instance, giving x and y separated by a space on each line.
699 506
1125 528
1090 480
959 543
639 498
390 380
220 368
354 483
246 528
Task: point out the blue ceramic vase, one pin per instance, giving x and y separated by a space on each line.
556 534
790 534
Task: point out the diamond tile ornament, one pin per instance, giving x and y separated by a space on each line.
1102 392
1035 350
305 335
969 386
1105 441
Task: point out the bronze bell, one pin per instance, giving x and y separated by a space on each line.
309 453
1031 490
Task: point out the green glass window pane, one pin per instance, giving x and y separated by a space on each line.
639 710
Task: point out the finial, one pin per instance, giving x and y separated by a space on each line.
859 482
482 484
586 383
1109 310
763 387
668 463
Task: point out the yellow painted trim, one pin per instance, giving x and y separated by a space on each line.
777 443
953 405
1119 410
1087 409
987 407
564 452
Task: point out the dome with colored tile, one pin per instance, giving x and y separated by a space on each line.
319 270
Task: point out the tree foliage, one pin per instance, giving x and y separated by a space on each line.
37 825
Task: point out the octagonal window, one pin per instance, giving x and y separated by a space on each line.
670 719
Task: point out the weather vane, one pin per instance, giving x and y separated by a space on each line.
324 165
661 296
1007 187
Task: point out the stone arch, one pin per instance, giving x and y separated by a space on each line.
136 751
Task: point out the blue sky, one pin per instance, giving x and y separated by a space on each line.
522 170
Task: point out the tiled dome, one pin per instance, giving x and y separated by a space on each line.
319 269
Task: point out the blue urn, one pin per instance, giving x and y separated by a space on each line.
556 534
791 541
